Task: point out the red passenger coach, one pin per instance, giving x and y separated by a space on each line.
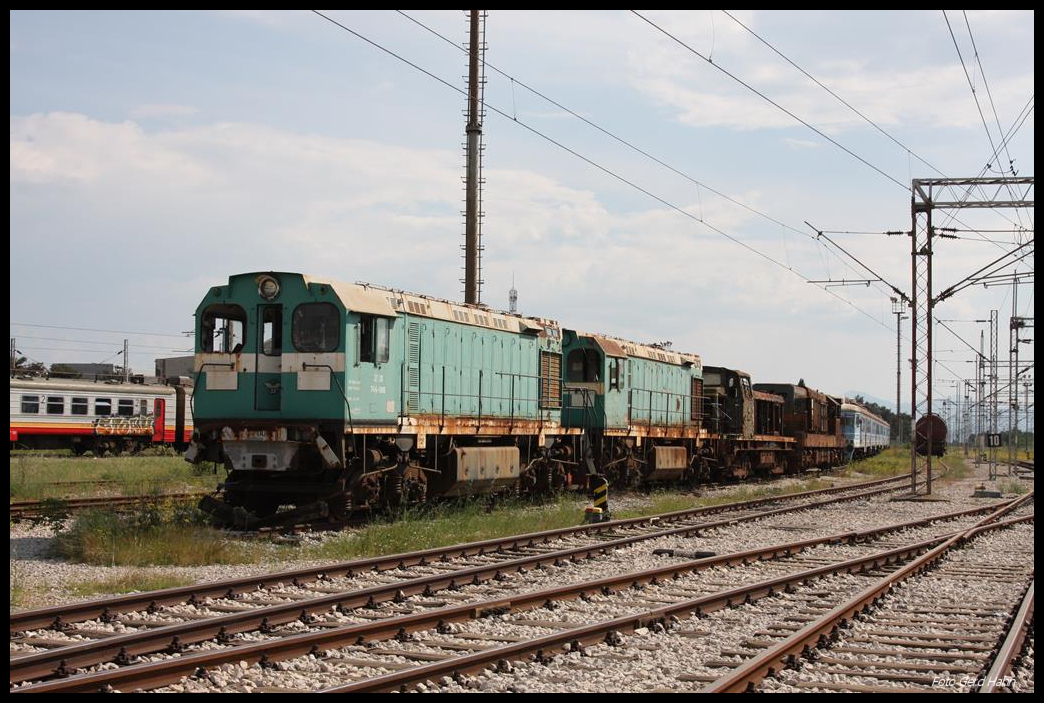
99 417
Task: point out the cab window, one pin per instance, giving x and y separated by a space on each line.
374 339
584 366
222 329
272 330
316 327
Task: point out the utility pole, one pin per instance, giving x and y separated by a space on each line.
14 356
473 214
980 408
898 308
967 419
126 363
994 420
929 196
1026 384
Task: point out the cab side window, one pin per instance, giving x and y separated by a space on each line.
374 339
222 329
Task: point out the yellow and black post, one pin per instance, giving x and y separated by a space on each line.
600 493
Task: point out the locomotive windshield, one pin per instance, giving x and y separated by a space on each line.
316 327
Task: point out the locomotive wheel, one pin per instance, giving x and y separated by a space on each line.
527 482
559 477
367 494
404 489
338 506
260 505
416 487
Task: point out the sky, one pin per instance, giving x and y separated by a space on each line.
154 154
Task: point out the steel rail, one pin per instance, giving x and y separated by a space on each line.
1011 647
749 674
61 660
57 616
588 634
30 508
168 671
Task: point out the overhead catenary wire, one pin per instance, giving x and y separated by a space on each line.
600 167
970 279
777 105
515 80
774 103
90 329
844 102
971 85
108 343
618 177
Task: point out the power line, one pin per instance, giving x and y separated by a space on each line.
975 95
96 351
515 80
993 106
613 174
90 341
89 329
600 167
774 103
780 107
838 97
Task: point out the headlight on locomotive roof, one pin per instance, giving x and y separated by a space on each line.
267 287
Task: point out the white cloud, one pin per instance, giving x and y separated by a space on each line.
162 110
800 143
202 203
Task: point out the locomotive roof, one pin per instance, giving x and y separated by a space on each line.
797 391
614 346
378 300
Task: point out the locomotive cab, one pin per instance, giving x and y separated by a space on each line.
730 401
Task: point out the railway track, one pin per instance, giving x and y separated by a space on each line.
374 615
920 627
29 509
531 542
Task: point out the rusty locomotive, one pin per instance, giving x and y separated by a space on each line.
334 397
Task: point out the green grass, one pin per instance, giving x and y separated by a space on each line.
19 590
1012 487
35 477
896 460
670 501
470 522
162 536
126 583
448 524
891 462
958 467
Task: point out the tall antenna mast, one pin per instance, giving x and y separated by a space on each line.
473 155
513 296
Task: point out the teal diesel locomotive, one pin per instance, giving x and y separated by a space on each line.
334 397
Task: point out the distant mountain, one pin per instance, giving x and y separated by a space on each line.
890 404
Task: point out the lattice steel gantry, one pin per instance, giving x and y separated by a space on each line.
929 195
